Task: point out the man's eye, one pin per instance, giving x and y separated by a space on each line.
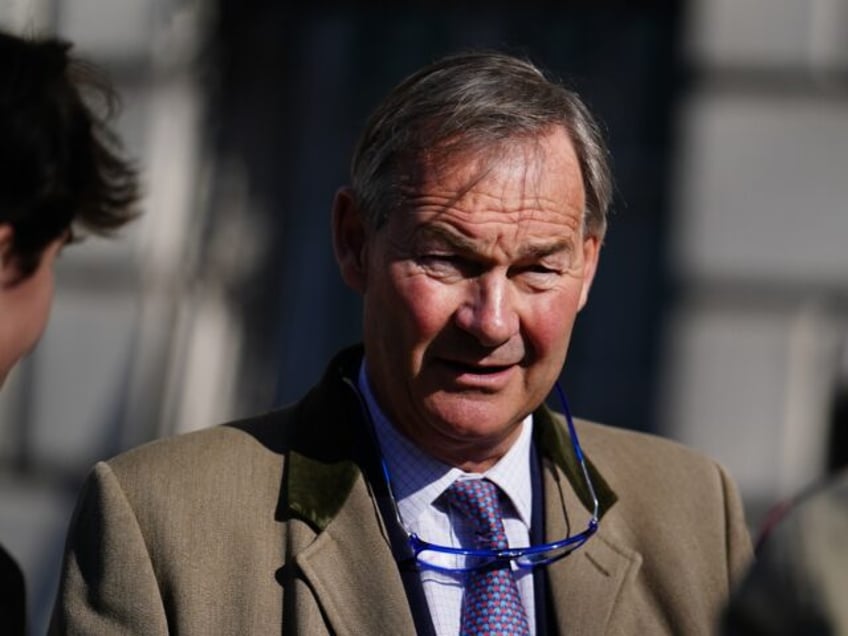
537 276
446 265
537 270
439 260
541 269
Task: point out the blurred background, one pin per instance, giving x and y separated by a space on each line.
719 316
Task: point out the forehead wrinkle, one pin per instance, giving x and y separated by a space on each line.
506 185
479 203
431 173
524 155
510 182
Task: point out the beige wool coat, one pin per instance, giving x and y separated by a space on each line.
270 526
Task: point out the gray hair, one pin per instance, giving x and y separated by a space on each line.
472 102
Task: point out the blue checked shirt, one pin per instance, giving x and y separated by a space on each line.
419 480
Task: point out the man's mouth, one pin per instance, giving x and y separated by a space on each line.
476 369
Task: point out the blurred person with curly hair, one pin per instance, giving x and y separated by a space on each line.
62 171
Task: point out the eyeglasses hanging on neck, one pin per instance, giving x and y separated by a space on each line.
451 559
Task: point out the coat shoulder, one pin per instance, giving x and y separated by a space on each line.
244 456
665 488
622 455
670 498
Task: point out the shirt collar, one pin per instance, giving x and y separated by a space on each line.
418 479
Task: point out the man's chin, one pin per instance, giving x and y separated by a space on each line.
473 415
473 439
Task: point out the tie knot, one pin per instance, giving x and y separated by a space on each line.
478 501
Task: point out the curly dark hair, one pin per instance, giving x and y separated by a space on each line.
61 166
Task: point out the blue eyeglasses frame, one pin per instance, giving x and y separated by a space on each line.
526 557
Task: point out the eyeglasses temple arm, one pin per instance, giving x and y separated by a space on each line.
578 450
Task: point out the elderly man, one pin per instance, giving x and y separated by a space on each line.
423 486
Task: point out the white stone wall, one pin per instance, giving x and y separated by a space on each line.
755 342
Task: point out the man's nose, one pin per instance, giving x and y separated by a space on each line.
489 313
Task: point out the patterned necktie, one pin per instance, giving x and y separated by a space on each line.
491 603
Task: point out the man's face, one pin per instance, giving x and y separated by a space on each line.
470 295
24 306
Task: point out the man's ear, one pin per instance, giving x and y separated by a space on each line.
9 272
591 254
349 239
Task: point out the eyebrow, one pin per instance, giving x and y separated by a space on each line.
536 252
459 243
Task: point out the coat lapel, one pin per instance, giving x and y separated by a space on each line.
352 571
585 586
343 552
